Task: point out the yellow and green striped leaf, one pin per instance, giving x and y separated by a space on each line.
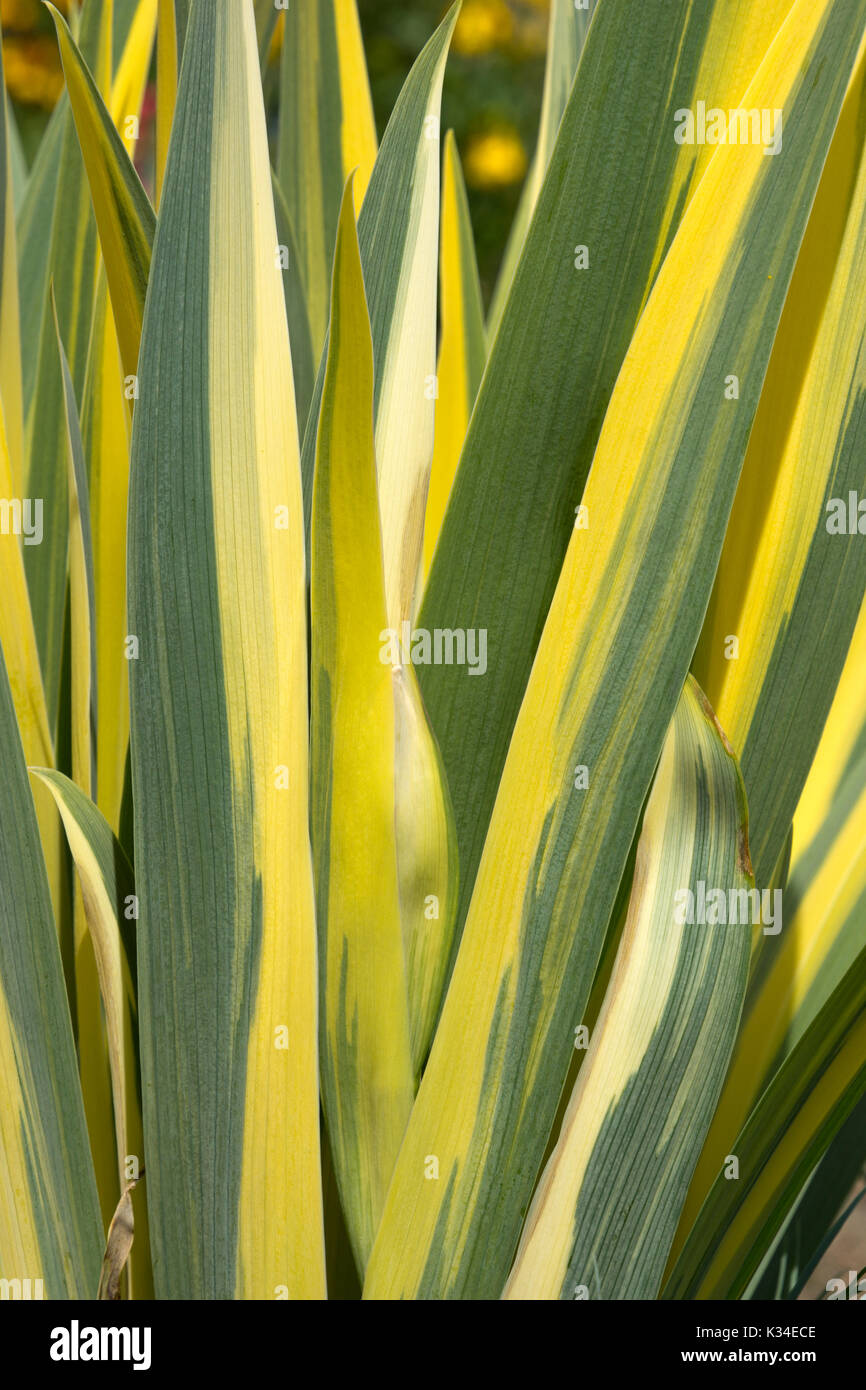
658 1053
610 665
50 1227
219 729
124 217
398 230
18 164
463 347
618 185
789 589
365 1049
110 906
326 130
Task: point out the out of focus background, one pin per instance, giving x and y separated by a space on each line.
492 94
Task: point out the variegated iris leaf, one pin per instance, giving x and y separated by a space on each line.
606 1207
365 1047
219 730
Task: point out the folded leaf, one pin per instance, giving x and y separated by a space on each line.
106 427
657 1059
426 861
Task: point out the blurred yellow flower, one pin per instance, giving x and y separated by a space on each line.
494 158
24 15
482 25
33 72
